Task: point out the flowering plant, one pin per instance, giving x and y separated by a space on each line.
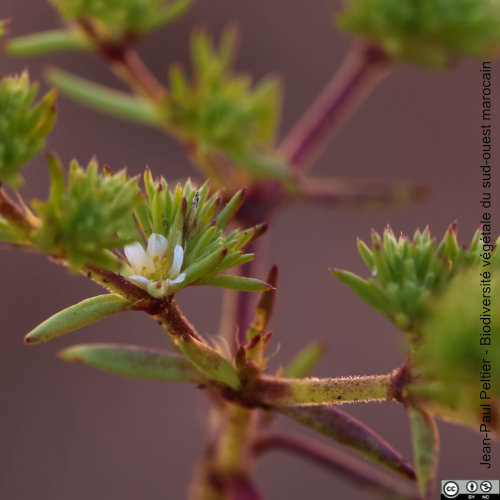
145 240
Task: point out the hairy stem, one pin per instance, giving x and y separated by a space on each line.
224 472
285 392
233 454
365 66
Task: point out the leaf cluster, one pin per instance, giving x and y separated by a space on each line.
196 220
427 32
450 354
24 125
83 218
114 19
222 113
407 273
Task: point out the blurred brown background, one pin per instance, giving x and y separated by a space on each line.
67 432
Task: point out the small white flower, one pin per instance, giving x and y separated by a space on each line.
155 269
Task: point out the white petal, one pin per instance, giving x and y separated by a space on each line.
179 279
169 283
177 263
138 258
157 246
140 280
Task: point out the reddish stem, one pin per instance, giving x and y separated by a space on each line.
364 67
338 462
126 62
12 212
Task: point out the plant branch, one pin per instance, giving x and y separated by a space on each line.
126 64
275 392
12 212
361 193
339 463
364 67
165 311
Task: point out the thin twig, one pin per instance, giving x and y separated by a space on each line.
340 463
126 63
361 193
12 212
365 66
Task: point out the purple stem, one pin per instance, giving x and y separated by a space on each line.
340 463
364 67
12 212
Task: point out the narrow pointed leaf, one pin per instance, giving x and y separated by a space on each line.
425 439
209 361
84 313
104 99
345 429
265 306
362 289
230 209
203 266
303 364
47 42
134 361
171 13
366 254
237 283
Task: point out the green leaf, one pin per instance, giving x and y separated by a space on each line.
425 439
229 211
203 266
84 313
88 216
24 125
170 13
306 360
366 255
47 42
133 361
427 32
237 283
209 361
345 429
363 289
104 99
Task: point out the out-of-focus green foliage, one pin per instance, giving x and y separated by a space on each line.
455 348
24 125
428 32
219 112
83 216
119 104
114 19
407 273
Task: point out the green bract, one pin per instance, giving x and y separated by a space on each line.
220 113
83 218
186 242
405 273
117 18
24 125
428 32
458 353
